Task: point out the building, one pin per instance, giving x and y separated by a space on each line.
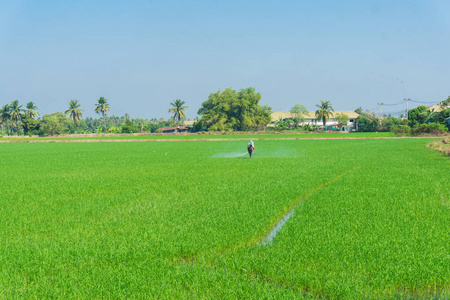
174 129
189 123
311 118
437 108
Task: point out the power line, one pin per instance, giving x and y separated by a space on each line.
404 100
397 112
423 102
393 104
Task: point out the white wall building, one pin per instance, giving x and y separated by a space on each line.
311 118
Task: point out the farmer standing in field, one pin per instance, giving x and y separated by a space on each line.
251 148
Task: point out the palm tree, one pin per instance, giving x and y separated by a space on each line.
178 110
74 112
5 115
324 112
102 107
15 113
32 110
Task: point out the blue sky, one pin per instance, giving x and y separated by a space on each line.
143 54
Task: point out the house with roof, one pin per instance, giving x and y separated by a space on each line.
173 129
188 123
437 108
311 119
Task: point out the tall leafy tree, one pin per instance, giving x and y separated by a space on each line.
178 110
367 125
15 113
365 112
54 123
5 116
75 112
417 115
29 124
429 116
342 120
324 111
299 112
233 110
31 110
102 107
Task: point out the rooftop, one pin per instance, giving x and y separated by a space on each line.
312 115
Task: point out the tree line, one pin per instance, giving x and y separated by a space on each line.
223 111
227 110
16 119
419 120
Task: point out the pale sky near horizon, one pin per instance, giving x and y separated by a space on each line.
143 54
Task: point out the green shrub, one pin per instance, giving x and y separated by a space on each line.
433 128
37 132
400 130
310 127
114 129
129 127
367 125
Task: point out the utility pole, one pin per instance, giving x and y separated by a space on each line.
380 107
407 99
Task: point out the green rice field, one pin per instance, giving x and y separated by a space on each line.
162 220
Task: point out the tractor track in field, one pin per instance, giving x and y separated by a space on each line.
275 227
210 139
267 234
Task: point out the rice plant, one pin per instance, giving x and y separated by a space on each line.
186 220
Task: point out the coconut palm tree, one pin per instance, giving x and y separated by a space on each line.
178 110
74 112
324 112
5 115
31 110
102 107
15 113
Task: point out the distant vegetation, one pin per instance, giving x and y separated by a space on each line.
16 120
233 110
420 120
224 111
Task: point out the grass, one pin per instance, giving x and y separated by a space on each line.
165 220
442 145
